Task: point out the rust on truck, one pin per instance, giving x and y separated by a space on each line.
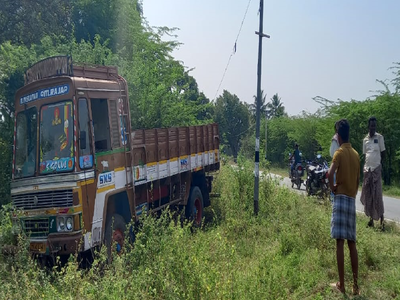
80 173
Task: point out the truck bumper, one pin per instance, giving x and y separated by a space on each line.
60 244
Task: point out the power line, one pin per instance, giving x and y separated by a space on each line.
234 49
246 130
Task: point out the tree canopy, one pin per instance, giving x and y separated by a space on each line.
232 116
161 90
275 108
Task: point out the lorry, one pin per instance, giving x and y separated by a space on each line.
81 174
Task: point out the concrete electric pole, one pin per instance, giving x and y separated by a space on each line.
257 150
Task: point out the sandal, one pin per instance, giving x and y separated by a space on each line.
356 290
336 286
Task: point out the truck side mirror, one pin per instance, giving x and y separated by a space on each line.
82 140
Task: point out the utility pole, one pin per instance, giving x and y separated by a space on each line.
257 150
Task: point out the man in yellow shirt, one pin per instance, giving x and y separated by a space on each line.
346 164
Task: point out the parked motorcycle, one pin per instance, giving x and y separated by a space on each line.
317 182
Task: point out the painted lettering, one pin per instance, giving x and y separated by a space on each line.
63 164
45 93
106 178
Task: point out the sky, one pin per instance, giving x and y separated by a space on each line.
333 49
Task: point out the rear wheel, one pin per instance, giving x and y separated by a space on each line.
115 234
194 207
308 187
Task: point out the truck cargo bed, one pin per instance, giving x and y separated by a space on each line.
163 152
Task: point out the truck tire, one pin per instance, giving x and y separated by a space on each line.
115 232
194 207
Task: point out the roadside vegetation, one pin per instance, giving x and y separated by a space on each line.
284 253
392 191
279 171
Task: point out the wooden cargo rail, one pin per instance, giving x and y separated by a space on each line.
163 152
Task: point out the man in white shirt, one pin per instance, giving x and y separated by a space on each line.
332 150
371 195
334 142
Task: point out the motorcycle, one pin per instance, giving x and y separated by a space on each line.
317 182
296 174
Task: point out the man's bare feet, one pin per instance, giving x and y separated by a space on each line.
356 290
337 287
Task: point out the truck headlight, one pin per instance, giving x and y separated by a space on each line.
60 224
65 223
69 223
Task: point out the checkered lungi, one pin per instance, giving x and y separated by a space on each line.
343 222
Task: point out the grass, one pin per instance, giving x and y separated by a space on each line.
392 191
279 171
284 253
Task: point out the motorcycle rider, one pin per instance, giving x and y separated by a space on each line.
297 158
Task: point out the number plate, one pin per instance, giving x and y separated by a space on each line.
38 247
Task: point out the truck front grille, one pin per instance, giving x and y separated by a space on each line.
48 199
36 227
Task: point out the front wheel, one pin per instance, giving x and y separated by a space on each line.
194 207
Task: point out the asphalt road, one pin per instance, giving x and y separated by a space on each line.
392 205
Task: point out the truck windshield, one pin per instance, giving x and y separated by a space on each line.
56 138
26 139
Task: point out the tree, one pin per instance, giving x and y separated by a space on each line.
396 80
275 108
233 118
263 105
279 143
27 22
119 21
162 93
303 131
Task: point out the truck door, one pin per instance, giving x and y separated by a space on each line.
86 162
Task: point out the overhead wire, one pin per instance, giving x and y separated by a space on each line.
244 131
233 50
